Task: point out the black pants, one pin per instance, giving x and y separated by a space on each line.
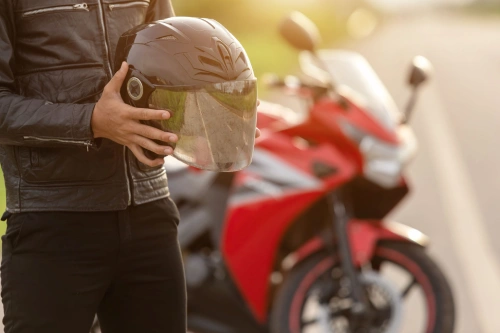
59 269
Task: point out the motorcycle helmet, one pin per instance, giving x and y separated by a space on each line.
196 69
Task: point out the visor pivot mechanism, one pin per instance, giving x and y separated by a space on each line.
135 89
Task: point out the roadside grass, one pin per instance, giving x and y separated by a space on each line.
268 54
483 10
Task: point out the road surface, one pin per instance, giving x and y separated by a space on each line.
455 176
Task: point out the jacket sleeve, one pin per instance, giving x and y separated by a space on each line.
35 122
159 10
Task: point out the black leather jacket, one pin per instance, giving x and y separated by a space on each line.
56 56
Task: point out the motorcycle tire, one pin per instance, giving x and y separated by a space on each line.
290 300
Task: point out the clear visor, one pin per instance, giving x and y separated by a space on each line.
215 123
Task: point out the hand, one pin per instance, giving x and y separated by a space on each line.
117 121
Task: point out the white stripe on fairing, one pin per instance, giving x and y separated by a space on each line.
276 176
276 170
468 230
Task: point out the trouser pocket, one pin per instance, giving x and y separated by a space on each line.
15 224
9 241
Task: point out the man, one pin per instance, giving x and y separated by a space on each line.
90 226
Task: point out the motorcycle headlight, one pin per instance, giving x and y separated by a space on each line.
383 162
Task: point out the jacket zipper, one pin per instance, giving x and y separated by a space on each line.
127 173
128 5
106 47
80 6
87 143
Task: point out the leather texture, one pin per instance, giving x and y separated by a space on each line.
56 56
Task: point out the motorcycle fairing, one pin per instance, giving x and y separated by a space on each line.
251 241
364 235
257 220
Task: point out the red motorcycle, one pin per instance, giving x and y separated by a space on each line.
297 242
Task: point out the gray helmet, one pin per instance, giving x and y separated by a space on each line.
198 70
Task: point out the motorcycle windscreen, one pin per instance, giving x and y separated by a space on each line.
215 123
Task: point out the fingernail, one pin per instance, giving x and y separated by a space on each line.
168 151
172 138
165 115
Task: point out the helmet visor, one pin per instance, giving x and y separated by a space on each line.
215 123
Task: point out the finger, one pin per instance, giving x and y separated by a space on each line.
258 102
139 154
147 114
173 137
257 133
152 146
116 81
153 133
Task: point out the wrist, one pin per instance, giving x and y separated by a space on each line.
94 123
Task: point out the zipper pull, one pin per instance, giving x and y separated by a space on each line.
88 144
83 6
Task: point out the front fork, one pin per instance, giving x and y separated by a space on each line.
341 217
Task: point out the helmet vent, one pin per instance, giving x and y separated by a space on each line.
242 58
210 62
210 24
168 37
225 55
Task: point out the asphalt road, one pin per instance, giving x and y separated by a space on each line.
455 176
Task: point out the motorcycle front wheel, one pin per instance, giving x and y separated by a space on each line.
406 290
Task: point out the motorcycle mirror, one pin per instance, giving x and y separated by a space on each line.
298 30
421 70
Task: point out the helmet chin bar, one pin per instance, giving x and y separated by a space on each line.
136 89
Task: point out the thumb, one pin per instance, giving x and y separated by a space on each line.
117 80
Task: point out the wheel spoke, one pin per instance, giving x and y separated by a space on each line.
410 285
